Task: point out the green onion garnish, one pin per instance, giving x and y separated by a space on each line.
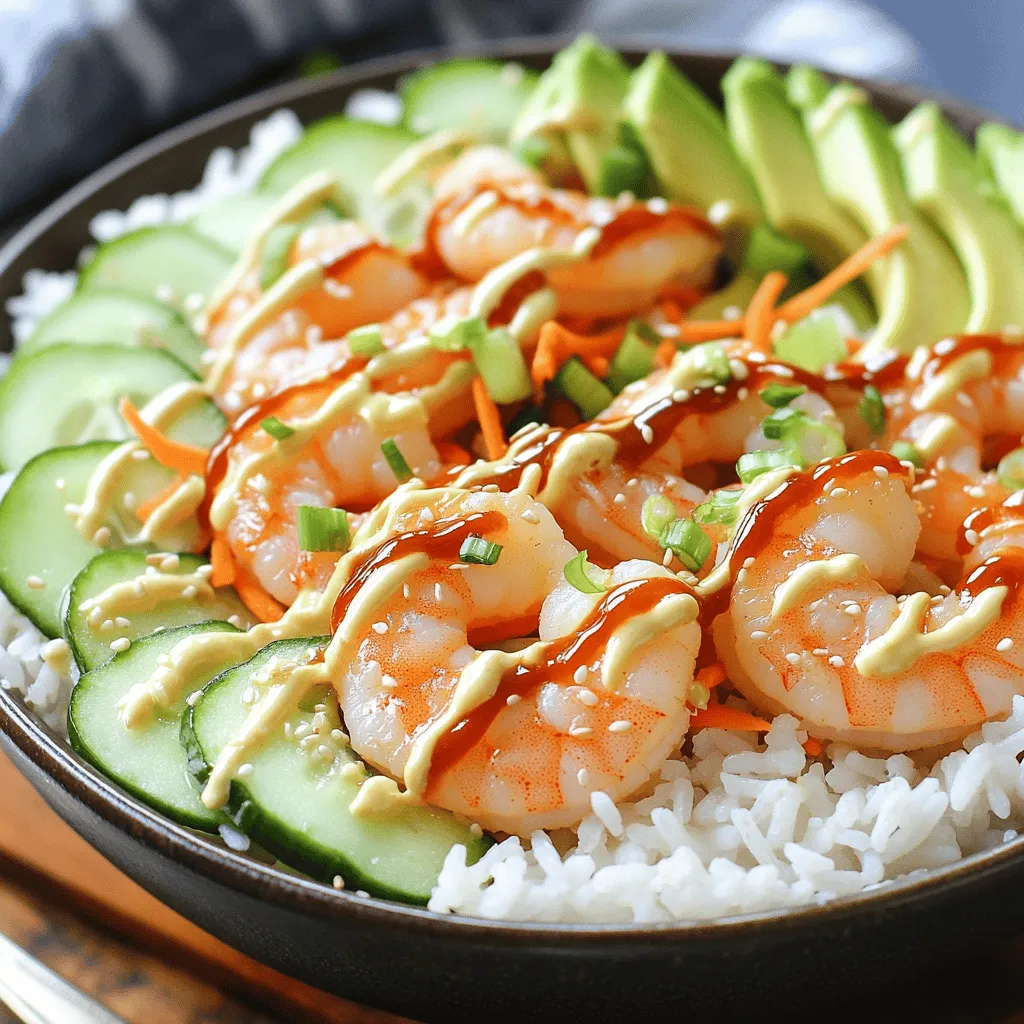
501 365
634 358
780 395
1011 469
814 441
621 170
478 551
582 388
274 258
688 542
751 465
872 409
580 573
656 516
719 508
905 451
710 358
812 344
323 529
533 151
396 460
275 428
366 341
781 422
452 333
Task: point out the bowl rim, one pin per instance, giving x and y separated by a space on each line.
35 741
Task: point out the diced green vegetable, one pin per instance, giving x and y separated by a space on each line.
656 515
622 170
477 551
872 409
710 358
1011 469
323 529
583 389
633 360
752 464
719 508
366 341
581 574
453 333
774 426
501 365
812 343
780 395
396 460
906 451
275 428
688 542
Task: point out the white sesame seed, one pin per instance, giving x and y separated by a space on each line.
743 394
245 771
976 492
583 777
61 483
739 369
121 622
793 658
189 592
757 634
122 643
193 698
490 488
580 731
719 389
102 536
836 662
680 395
339 736
302 730
820 652
881 472
840 492
476 829
632 482
106 625
647 433
388 682
666 559
619 499
852 609
1005 644
325 752
620 725
529 516
169 563
513 699
339 882
748 563
235 620
579 677
828 485
380 627
437 591
140 455
972 537
35 582
588 697
741 575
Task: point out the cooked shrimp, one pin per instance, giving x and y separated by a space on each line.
814 628
495 215
513 741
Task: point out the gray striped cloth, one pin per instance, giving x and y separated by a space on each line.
82 79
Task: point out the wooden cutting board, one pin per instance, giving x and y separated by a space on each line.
41 852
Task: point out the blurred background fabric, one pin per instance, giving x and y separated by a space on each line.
80 80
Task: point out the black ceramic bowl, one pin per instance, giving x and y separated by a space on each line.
446 968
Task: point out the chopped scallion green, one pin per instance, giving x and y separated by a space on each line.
688 542
781 422
812 343
711 360
719 508
275 428
1011 470
452 333
366 341
581 574
905 451
323 529
752 464
396 460
583 389
780 395
478 551
501 365
872 409
656 515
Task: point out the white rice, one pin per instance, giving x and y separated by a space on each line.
736 827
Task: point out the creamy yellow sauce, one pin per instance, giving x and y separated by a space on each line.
811 575
145 593
473 212
669 613
936 436
970 366
536 309
420 156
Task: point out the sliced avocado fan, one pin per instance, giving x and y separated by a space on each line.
1001 150
947 183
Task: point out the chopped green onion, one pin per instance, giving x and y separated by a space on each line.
779 395
814 441
452 333
905 451
767 250
688 542
781 422
711 360
366 341
656 516
719 508
812 343
323 529
633 360
583 389
396 460
533 151
751 465
275 428
579 572
872 409
1011 470
274 258
622 170
501 365
478 551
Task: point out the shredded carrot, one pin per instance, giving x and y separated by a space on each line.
665 353
671 310
490 420
597 365
223 563
260 603
147 508
813 747
709 330
682 296
761 314
711 675
849 270
557 343
721 716
185 458
452 454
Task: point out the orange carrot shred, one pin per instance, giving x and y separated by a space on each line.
452 454
490 420
557 343
761 314
721 716
597 365
813 747
665 353
709 330
711 675
683 296
185 458
147 508
260 603
849 270
222 562
671 310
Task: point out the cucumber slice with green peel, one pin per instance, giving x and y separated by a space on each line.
356 151
297 806
231 222
41 550
68 394
481 96
147 760
113 316
91 643
172 263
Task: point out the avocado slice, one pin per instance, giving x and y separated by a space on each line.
806 87
577 104
688 145
924 295
1001 150
946 182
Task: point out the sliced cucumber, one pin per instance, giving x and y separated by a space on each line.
356 151
114 316
68 394
148 760
41 550
172 263
91 644
230 222
298 806
483 96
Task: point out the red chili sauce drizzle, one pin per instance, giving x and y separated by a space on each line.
584 646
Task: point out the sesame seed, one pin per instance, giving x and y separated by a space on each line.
325 752
406 592
579 677
739 369
476 829
741 575
388 682
666 559
193 698
836 662
1005 644
249 695
106 625
820 652
437 591
35 582
169 563
189 591
289 732
490 488
339 736
156 558
681 395
245 771
140 455
743 394
302 730
881 472
828 485
632 482
839 492
583 777
852 609
972 537
748 563
235 620
121 622
621 725
122 643
976 492
61 483
529 516
339 882
380 627
647 433
588 697
580 731
619 499
793 658
719 389
102 536
758 634
513 699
